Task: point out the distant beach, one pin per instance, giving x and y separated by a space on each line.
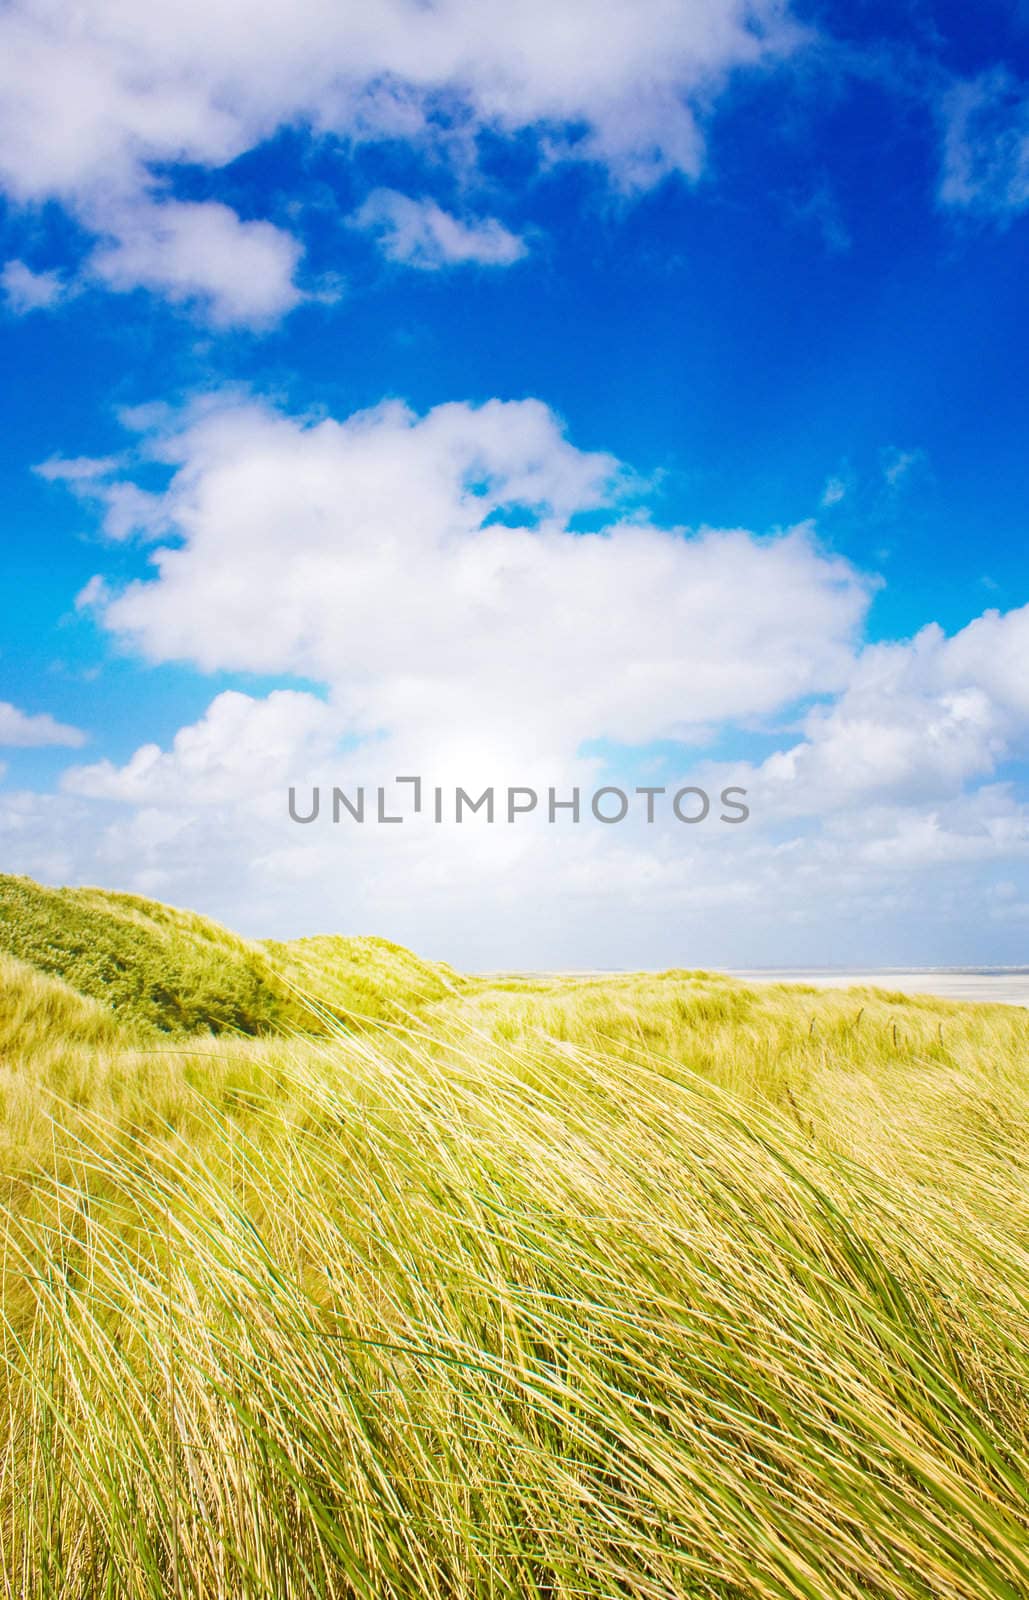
993 985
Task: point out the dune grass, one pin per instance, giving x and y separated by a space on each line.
362 981
162 970
650 1287
158 968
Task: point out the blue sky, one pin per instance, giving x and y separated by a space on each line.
756 269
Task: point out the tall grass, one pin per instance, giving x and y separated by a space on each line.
364 980
162 970
556 1291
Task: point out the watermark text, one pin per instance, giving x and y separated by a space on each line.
410 797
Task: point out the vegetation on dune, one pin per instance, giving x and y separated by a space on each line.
39 1013
173 971
153 966
899 1081
655 1287
363 980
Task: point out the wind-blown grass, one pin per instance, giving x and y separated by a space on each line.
158 968
163 970
559 1290
363 981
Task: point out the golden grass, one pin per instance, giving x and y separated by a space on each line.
649 1287
162 970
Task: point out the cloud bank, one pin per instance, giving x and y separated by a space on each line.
429 574
97 105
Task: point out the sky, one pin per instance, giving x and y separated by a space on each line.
568 396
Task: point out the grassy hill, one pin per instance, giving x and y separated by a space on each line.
363 980
35 1007
161 969
650 1287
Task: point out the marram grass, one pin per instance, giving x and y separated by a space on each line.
547 1294
165 971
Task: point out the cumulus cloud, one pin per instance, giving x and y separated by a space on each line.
18 728
237 272
241 744
427 571
918 720
421 234
94 107
985 164
200 255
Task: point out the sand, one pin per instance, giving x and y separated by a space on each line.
996 986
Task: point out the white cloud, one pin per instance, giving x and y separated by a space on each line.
986 826
238 272
364 555
201 255
127 509
985 165
78 470
26 290
421 234
371 553
884 837
18 728
87 106
240 744
204 822
93 107
917 721
835 490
